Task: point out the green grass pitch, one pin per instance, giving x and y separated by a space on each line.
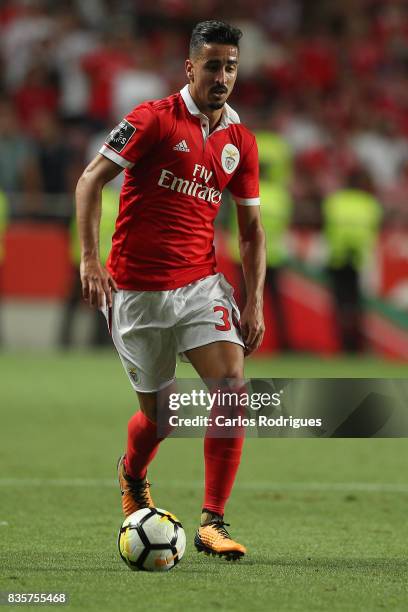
324 520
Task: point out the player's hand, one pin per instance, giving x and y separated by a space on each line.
252 326
97 284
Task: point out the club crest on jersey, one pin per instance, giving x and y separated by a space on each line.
133 375
229 158
120 135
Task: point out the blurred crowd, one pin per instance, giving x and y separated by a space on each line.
329 78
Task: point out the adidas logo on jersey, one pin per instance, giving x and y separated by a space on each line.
182 146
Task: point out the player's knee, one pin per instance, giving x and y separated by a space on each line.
150 412
230 379
148 405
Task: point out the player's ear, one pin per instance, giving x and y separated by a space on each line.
189 70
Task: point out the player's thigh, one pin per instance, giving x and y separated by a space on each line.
146 347
209 333
218 361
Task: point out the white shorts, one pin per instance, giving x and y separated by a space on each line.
149 328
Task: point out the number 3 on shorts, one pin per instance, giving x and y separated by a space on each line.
226 326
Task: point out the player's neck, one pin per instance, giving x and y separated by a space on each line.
213 115
214 121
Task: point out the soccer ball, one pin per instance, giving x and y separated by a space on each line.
152 540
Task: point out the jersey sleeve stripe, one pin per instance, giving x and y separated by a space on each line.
247 201
113 156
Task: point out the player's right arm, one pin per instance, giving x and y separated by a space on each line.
97 283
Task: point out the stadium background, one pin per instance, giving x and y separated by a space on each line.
328 84
324 84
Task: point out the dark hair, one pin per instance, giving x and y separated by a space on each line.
219 32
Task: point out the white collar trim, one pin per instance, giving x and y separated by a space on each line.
228 116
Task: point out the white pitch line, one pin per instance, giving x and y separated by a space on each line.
364 487
3 524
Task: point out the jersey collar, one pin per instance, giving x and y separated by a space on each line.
228 115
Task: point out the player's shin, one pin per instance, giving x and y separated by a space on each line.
142 444
145 434
222 459
222 449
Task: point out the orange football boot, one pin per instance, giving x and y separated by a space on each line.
135 492
213 539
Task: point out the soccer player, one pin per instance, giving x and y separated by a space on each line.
160 287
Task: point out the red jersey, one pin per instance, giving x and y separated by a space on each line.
175 174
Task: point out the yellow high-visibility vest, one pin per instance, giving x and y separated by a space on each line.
352 221
275 157
3 221
110 209
276 212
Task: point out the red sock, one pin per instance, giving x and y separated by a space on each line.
222 458
142 444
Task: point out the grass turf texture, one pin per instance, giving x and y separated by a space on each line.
324 520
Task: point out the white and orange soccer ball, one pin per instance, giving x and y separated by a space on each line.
152 540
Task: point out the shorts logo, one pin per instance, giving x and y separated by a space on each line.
229 158
133 375
120 136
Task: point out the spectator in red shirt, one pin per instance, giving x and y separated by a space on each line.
102 66
37 93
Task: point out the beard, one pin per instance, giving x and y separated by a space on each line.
216 105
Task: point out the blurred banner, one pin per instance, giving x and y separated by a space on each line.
41 303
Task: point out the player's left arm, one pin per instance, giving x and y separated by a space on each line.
244 188
253 258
